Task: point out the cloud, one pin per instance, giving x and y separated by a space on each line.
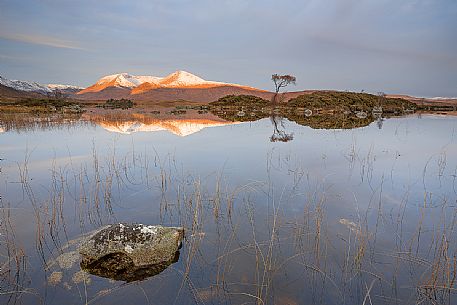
41 40
3 56
400 51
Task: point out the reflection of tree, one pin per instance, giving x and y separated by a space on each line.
279 135
379 122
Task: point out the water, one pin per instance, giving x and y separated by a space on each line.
328 217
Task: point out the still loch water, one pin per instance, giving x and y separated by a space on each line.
353 216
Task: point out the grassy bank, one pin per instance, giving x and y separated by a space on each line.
39 105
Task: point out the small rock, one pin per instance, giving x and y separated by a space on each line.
361 114
130 252
308 112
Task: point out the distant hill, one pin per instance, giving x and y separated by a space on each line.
204 95
426 101
196 94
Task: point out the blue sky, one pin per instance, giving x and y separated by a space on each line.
407 46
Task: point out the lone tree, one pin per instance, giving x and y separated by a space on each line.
282 81
381 98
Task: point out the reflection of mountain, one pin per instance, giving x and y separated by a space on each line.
180 127
125 123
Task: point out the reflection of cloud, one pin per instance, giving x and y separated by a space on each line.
3 56
56 162
41 40
353 227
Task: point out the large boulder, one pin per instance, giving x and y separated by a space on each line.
131 252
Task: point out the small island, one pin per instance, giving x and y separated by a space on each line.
321 109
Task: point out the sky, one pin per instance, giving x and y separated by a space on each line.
407 46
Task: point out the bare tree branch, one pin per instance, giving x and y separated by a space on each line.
281 81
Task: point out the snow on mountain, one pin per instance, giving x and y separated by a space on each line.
185 79
178 79
36 87
54 87
127 80
438 98
24 85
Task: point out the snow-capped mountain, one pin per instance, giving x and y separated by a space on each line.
186 79
36 87
125 80
54 87
139 84
24 85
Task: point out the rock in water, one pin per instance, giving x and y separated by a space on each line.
131 252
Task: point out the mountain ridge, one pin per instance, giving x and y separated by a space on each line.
27 86
179 85
143 83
